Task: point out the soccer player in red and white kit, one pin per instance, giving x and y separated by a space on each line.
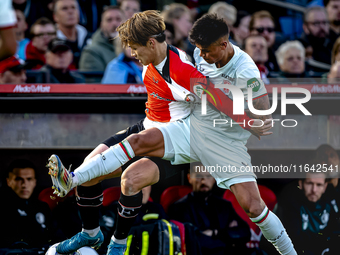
167 74
8 21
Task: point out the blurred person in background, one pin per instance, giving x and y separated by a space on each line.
334 73
310 215
224 11
7 35
123 70
19 30
333 12
240 29
256 47
316 34
326 154
32 9
263 23
291 59
58 59
25 221
90 13
43 31
130 7
12 71
169 33
102 50
66 16
179 16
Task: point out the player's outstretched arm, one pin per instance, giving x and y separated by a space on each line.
261 103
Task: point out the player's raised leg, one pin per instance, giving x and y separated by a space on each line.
248 196
138 175
146 143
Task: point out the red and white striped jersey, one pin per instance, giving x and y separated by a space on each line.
167 92
7 14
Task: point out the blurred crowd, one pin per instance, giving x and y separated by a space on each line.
78 38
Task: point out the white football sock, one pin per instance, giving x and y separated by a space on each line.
104 163
119 241
274 232
92 232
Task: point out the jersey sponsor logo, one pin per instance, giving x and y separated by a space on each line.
230 79
155 95
198 90
254 83
155 81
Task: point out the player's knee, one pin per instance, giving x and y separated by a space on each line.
129 186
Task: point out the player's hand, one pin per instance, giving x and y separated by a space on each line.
261 128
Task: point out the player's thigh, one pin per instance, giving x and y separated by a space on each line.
149 142
142 173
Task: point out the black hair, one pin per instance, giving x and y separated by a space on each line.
20 163
208 29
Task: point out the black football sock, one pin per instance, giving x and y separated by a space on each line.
89 200
128 209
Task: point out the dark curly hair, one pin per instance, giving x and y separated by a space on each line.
208 29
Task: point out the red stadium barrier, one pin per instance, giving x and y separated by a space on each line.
134 88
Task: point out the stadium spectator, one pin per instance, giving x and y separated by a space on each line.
169 33
7 35
240 29
66 15
101 51
326 154
291 59
42 32
224 11
256 47
58 59
316 34
334 73
179 16
19 30
310 215
333 11
222 230
263 23
32 9
25 220
12 71
130 7
123 69
90 13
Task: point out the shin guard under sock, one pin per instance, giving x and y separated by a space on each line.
89 200
128 209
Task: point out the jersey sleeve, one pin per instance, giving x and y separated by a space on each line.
7 14
250 77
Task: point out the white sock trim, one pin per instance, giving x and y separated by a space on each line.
118 241
129 149
91 232
260 217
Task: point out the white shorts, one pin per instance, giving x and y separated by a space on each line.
228 160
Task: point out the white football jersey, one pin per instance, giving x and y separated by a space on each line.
7 14
240 71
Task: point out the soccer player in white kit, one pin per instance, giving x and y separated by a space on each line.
225 63
7 23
